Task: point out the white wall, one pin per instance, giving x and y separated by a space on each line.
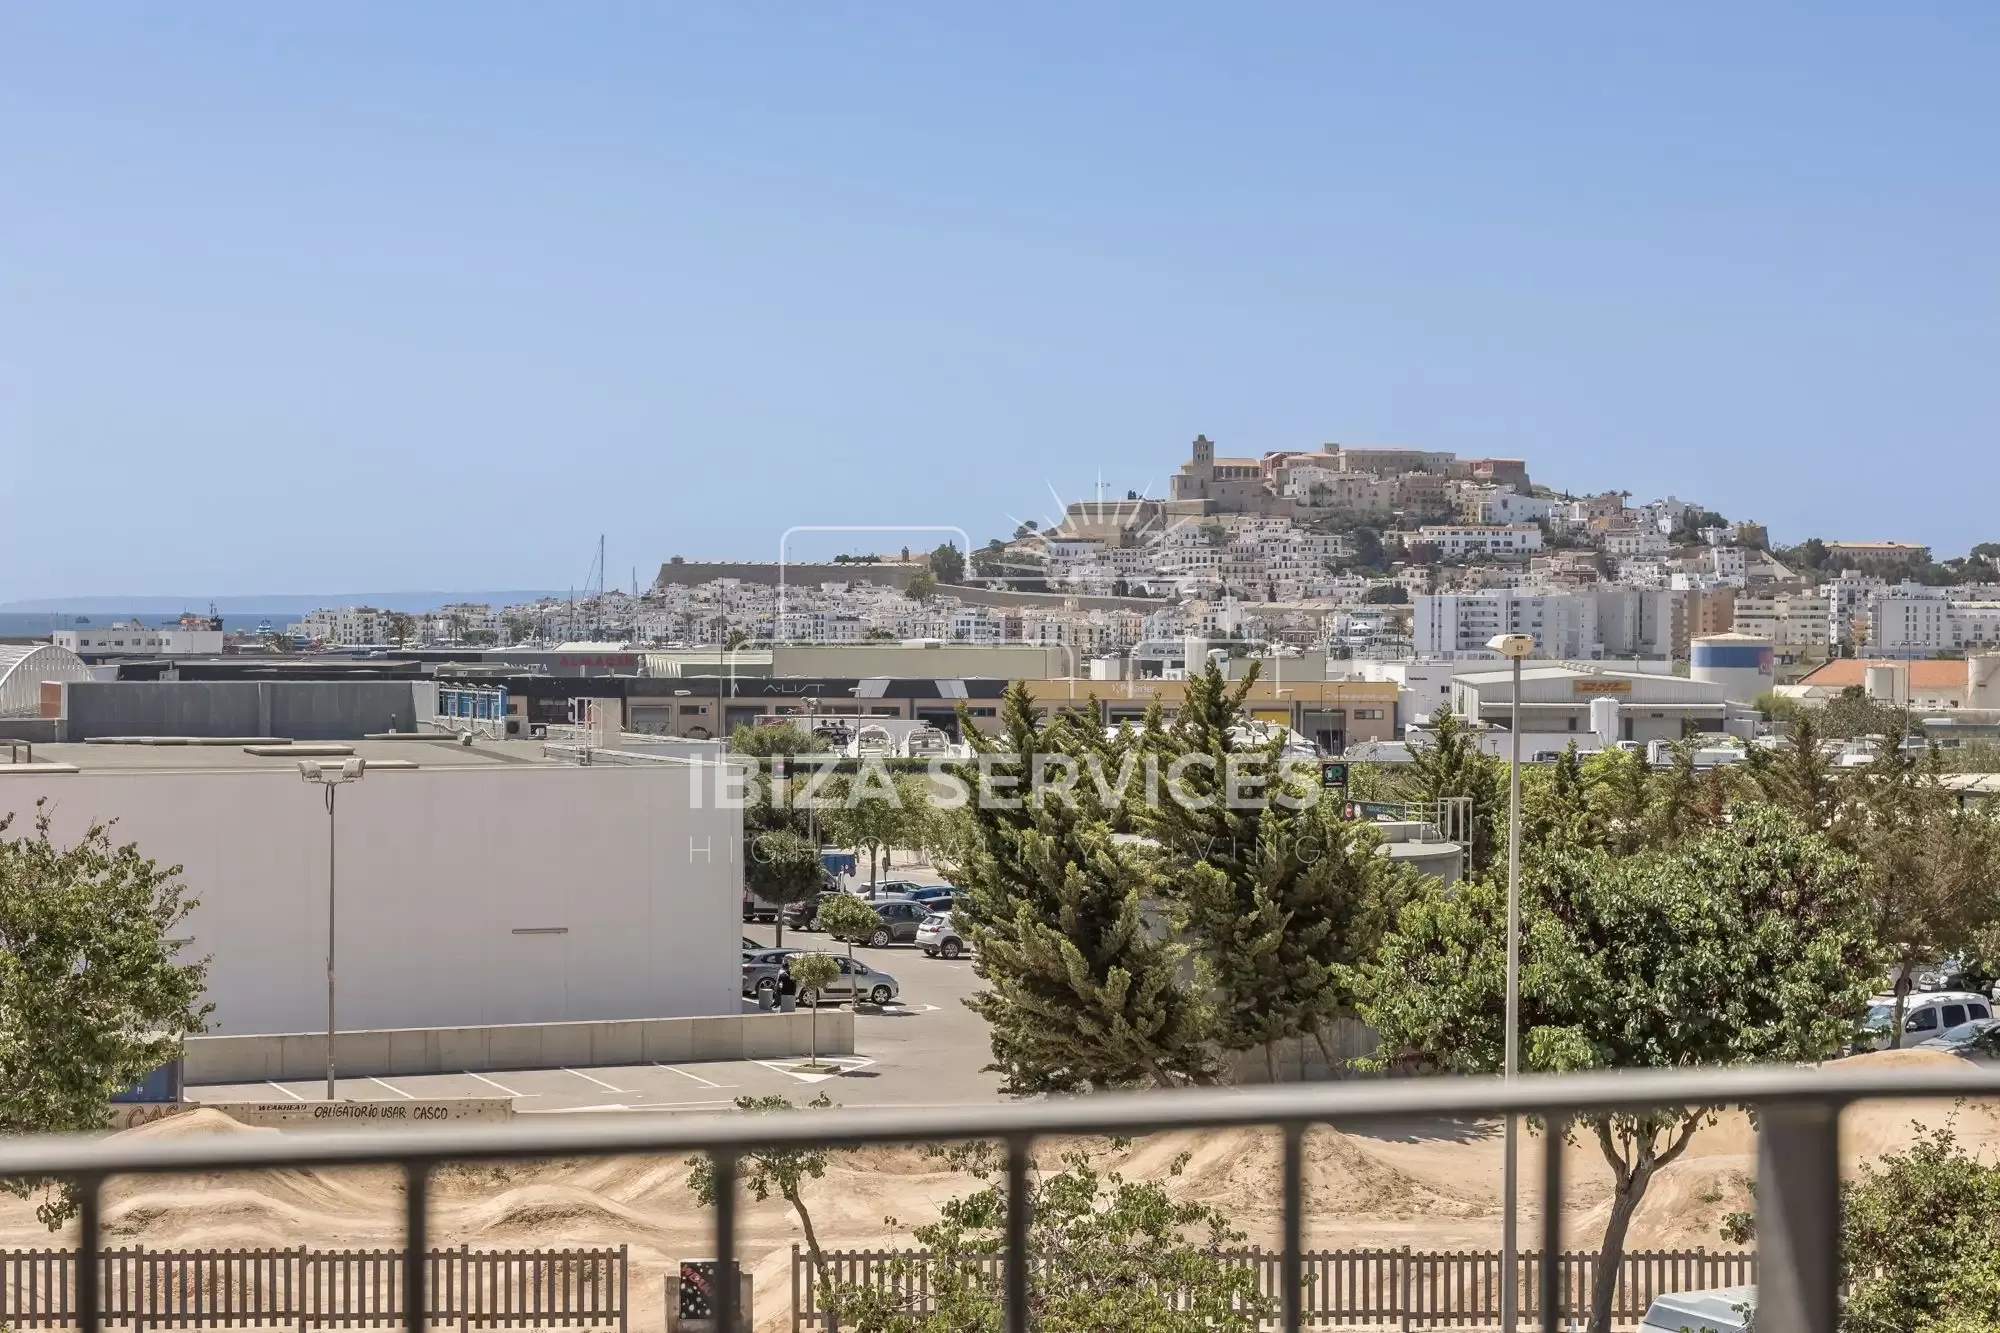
437 869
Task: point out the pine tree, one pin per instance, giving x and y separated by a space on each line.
1271 890
1080 994
1452 766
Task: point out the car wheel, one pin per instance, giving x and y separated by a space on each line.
879 996
950 948
809 998
879 939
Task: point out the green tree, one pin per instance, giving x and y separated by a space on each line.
783 868
93 995
1111 1254
813 973
922 586
1931 869
402 627
1387 594
1451 765
851 921
1919 1240
1270 887
868 817
783 1172
519 629
1747 944
1079 993
947 564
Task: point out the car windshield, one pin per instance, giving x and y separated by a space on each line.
1879 1015
1965 1032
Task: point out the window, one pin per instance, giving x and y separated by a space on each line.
1367 715
1977 1011
693 708
1923 1021
1954 1014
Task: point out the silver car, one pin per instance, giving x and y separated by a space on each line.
857 981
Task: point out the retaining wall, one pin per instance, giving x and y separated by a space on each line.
288 1056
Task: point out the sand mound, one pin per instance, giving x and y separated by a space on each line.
203 1122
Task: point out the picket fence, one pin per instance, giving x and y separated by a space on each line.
1376 1289
305 1289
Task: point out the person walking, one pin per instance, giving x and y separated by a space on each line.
788 989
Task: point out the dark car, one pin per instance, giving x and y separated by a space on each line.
805 915
900 918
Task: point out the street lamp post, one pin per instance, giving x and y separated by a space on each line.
330 780
1514 647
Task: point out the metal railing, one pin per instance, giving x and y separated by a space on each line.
1798 1185
304 1289
1401 1289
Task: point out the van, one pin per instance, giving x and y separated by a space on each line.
1925 1015
1722 1310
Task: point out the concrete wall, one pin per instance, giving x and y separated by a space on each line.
300 710
288 1056
440 873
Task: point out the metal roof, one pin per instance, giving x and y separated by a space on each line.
24 668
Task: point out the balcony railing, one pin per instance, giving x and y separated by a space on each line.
1798 1187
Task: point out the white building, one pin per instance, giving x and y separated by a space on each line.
1563 625
344 627
1788 620
1502 539
1639 542
129 638
1502 505
509 893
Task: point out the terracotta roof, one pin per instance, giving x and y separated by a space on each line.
1924 675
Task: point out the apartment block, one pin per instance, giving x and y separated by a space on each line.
1563 625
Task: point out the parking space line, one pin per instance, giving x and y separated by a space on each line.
406 1096
624 1092
287 1091
492 1083
696 1077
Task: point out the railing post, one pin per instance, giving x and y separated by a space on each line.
90 1225
1016 1258
1798 1217
1290 1273
1555 1128
724 1163
416 1245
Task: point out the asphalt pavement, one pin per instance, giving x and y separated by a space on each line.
926 1050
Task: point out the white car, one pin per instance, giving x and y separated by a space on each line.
936 937
1926 1014
1723 1310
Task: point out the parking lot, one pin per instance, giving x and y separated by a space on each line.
924 1051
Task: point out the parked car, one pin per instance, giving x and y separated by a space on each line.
1926 1014
804 915
857 980
937 937
929 893
1722 1310
760 970
1976 1039
900 918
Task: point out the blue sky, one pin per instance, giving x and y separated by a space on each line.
379 295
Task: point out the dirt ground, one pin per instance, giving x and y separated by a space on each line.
1427 1184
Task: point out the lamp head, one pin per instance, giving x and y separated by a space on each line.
1514 646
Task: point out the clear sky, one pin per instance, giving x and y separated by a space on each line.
299 297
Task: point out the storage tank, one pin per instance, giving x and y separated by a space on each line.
1982 680
1604 720
1741 663
1884 681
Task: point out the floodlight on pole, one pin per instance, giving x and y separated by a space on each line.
1513 647
330 780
